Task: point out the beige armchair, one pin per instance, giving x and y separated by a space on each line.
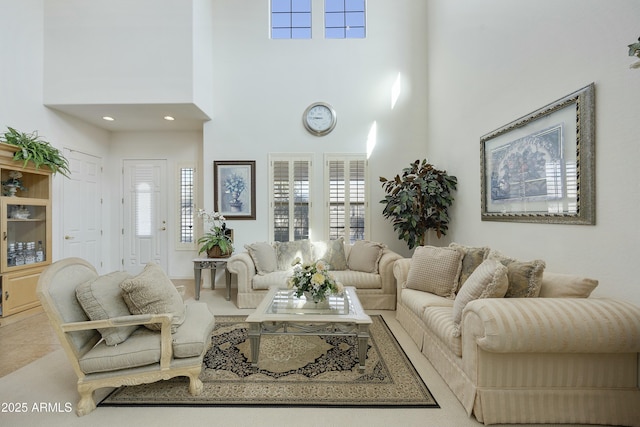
145 356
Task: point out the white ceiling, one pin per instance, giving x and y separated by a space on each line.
138 117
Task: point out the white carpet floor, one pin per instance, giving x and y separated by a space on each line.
51 381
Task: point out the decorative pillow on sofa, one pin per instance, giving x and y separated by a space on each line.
365 256
264 257
473 257
556 285
435 270
152 292
525 278
489 280
286 252
332 253
102 299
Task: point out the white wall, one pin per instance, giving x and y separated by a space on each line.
120 51
21 95
203 65
493 61
262 87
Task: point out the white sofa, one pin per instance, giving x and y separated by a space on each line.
556 356
368 266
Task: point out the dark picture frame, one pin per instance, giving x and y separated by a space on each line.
234 188
541 167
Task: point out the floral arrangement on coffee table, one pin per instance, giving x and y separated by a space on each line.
313 280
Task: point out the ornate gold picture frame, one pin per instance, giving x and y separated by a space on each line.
541 167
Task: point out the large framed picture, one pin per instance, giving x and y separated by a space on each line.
234 184
541 167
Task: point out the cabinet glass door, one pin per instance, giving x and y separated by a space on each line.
25 225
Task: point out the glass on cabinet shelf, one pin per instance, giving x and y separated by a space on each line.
25 227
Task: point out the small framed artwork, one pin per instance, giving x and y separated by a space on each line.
541 167
234 184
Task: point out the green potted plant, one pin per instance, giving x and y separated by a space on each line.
34 149
418 201
217 241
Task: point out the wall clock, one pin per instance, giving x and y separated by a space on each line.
319 118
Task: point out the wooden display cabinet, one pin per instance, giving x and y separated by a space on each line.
25 222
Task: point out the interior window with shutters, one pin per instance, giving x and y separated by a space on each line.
290 213
347 204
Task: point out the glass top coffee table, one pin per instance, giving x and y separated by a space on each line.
280 312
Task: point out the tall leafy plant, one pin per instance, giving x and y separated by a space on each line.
417 201
34 149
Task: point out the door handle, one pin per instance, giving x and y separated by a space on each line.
68 237
163 228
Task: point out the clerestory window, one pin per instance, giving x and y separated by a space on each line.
290 19
344 19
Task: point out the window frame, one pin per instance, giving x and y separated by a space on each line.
291 12
180 245
290 158
345 12
346 159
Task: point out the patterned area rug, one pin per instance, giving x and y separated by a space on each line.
292 371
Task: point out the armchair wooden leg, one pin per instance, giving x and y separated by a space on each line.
86 404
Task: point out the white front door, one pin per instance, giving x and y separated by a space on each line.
82 208
145 214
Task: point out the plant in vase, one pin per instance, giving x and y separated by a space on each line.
313 281
13 184
217 241
235 185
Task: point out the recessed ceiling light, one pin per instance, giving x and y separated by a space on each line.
107 118
169 118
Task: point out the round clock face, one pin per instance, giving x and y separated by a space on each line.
319 118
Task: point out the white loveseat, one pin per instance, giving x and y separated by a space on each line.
547 355
368 266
